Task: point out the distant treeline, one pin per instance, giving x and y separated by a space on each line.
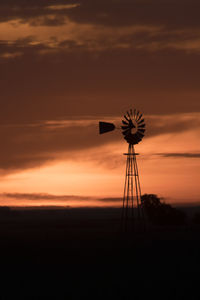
157 212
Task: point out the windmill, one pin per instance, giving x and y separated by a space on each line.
133 129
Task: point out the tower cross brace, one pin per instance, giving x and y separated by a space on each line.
132 213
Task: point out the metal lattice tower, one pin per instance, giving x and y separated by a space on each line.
133 128
132 216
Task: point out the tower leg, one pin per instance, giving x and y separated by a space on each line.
132 217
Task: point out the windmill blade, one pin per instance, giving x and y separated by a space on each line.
124 127
140 122
131 125
131 139
135 113
125 123
139 117
105 127
126 118
136 141
141 126
140 134
125 132
131 112
129 115
141 130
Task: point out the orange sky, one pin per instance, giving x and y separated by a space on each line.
64 67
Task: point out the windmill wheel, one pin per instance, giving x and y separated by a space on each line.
133 127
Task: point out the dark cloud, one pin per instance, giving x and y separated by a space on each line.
41 196
27 11
110 200
172 14
23 46
39 82
78 83
29 146
34 145
171 124
180 155
51 197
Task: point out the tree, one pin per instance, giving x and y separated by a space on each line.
160 213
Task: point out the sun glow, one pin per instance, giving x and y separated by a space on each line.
99 172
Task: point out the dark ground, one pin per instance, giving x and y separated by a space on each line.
81 253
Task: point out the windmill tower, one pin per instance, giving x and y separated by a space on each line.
133 129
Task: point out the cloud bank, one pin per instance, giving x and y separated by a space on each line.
61 62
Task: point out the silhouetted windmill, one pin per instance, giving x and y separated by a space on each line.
133 129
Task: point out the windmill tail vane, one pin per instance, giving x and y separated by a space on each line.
106 127
133 129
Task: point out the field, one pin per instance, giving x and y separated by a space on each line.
73 253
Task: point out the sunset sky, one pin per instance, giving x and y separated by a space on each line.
65 65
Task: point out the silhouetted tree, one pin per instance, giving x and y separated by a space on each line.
160 213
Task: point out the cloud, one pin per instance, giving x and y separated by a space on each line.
42 196
63 7
9 55
90 37
111 200
114 13
96 59
100 26
80 83
174 123
39 197
20 9
180 155
31 145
